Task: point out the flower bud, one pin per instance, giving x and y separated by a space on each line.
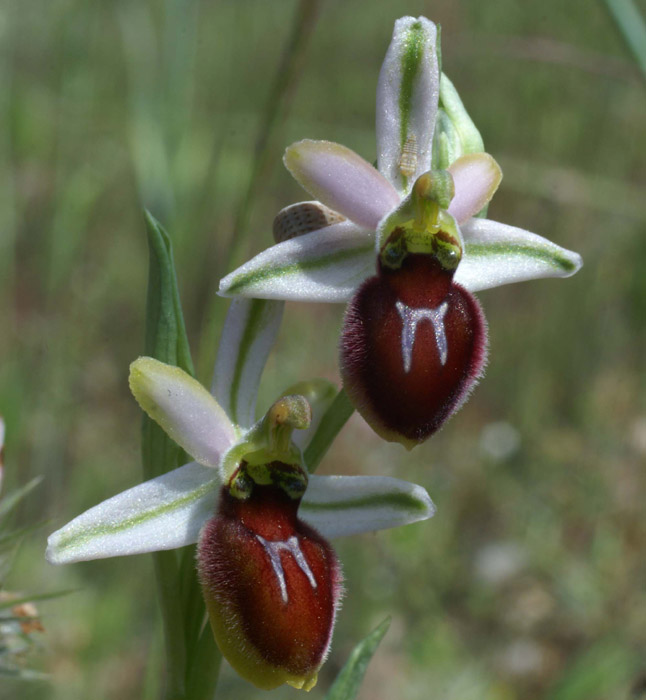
271 583
413 344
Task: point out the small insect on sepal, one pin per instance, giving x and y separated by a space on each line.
271 583
301 218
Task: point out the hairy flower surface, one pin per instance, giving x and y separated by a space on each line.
247 493
414 338
272 584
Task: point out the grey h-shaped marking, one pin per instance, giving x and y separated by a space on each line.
410 318
274 548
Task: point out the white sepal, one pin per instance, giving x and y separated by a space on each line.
183 408
497 254
163 513
248 335
407 99
325 265
348 505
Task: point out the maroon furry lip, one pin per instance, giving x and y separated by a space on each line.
272 586
413 345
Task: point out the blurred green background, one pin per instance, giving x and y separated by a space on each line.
530 580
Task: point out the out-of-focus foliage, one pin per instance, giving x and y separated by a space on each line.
529 581
19 621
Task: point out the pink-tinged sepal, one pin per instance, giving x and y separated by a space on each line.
271 583
413 345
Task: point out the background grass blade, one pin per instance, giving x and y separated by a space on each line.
631 27
348 682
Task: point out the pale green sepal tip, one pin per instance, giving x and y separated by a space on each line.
183 408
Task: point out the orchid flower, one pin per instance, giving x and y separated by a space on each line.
262 565
414 340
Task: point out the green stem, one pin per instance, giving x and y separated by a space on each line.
203 657
274 114
336 416
166 573
631 27
278 102
204 667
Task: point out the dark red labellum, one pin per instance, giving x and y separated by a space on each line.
272 587
413 344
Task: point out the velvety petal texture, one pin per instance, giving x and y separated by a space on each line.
183 408
322 266
272 587
163 513
341 180
407 98
412 347
248 335
476 178
497 254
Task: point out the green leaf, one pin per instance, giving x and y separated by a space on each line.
180 595
166 341
334 418
632 28
348 682
596 672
